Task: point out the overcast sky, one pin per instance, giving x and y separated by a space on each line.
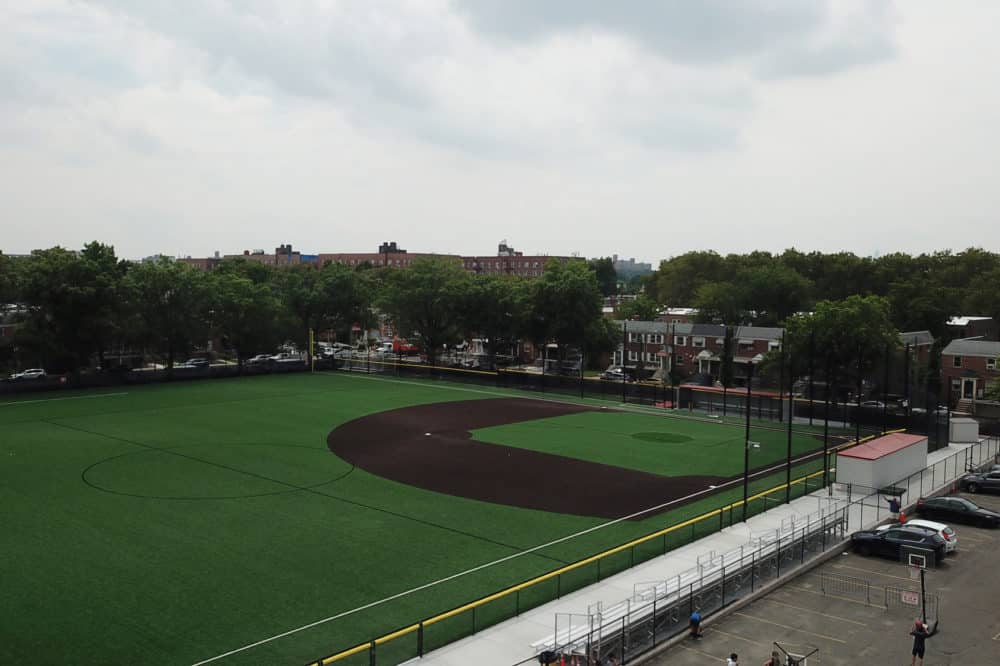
645 129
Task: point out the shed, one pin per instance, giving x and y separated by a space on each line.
883 461
964 430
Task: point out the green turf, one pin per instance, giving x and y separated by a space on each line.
169 524
652 443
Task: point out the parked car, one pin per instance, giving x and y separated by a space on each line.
988 481
31 374
942 530
285 357
259 359
957 510
198 362
615 374
890 542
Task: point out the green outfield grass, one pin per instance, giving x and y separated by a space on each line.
173 523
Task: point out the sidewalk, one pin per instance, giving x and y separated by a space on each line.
510 642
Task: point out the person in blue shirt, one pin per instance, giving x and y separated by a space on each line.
695 624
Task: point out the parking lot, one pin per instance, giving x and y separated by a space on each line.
829 608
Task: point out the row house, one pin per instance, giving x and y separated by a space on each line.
968 367
697 349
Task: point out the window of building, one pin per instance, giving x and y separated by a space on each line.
991 364
956 384
680 340
956 361
773 345
633 355
680 359
698 342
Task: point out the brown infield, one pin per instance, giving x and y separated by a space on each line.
394 445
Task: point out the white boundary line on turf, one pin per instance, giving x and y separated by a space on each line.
71 397
487 565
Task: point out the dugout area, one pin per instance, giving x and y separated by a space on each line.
176 523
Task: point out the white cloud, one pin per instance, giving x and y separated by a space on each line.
187 127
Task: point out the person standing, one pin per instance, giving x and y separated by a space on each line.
773 660
920 635
894 507
733 660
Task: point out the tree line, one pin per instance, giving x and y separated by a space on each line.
75 309
765 289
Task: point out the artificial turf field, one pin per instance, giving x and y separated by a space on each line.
174 523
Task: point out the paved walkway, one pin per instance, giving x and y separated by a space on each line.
510 642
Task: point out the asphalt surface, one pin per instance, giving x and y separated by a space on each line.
849 623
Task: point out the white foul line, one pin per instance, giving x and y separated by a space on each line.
72 397
478 568
488 564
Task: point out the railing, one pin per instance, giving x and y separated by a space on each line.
628 629
415 639
658 610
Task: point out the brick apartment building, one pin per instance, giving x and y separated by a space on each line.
507 261
696 349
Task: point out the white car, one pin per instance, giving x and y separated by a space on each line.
28 375
942 530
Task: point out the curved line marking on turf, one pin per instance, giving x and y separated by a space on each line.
430 446
168 449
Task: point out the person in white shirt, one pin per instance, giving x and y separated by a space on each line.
733 660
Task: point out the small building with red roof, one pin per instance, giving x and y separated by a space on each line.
882 461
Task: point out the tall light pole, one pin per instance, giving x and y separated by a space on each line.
624 351
746 443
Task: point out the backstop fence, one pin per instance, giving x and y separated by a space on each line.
825 398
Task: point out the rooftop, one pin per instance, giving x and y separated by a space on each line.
881 446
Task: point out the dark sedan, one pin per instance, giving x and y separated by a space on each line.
973 483
957 510
891 542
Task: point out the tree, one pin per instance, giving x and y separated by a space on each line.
72 302
721 302
332 297
494 310
244 313
8 280
102 323
641 308
565 300
843 329
774 292
607 277
993 390
678 279
427 298
170 303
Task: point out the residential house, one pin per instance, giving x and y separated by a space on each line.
696 349
984 328
968 367
678 315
